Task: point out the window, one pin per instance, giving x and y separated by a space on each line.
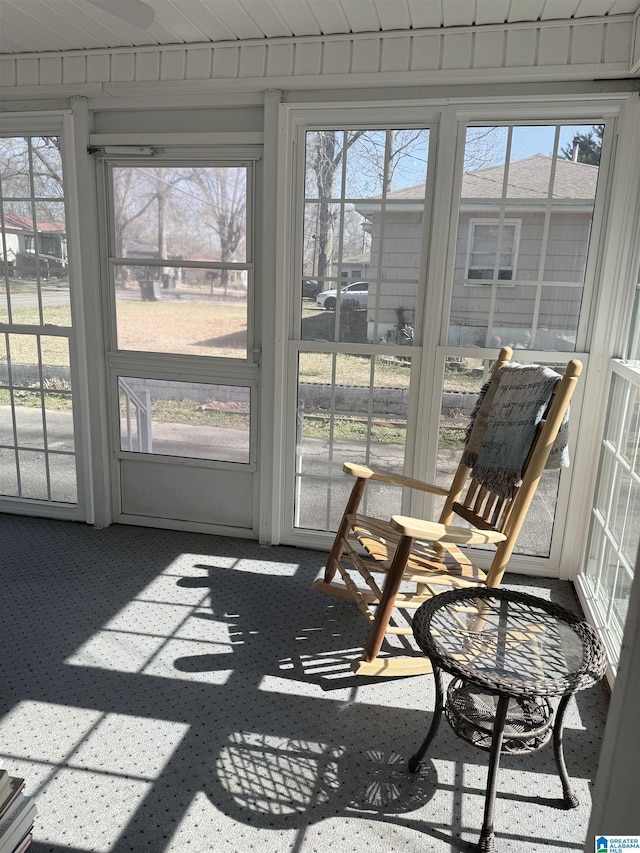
180 240
187 419
364 198
49 245
525 215
615 515
493 250
37 433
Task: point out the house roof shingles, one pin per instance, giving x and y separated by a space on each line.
527 179
23 223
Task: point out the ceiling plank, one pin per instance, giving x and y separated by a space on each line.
361 17
460 14
555 9
331 16
393 14
15 39
98 24
44 25
493 11
625 7
235 20
270 18
525 10
299 17
593 8
425 14
94 22
179 24
204 17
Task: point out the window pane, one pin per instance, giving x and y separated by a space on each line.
182 310
174 212
535 187
185 419
33 475
370 229
171 214
9 482
567 244
615 521
21 155
631 538
324 162
62 474
633 348
631 428
350 409
35 269
463 379
36 420
365 159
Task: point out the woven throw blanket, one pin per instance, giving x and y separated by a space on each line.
503 425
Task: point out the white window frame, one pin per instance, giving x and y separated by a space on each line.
296 121
569 533
180 157
64 124
484 282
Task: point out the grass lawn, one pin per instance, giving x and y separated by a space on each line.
219 328
23 350
185 327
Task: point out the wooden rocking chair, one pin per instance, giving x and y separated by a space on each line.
415 559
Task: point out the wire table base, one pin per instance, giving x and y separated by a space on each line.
508 652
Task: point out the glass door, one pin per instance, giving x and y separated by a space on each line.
38 465
182 359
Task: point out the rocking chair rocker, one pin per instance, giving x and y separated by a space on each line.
520 421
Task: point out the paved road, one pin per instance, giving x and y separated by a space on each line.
231 445
29 299
33 478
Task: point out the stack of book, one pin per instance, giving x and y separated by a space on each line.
17 812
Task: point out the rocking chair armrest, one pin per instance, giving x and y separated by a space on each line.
418 528
366 473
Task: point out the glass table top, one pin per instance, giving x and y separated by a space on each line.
509 641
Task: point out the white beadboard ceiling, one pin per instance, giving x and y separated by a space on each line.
36 26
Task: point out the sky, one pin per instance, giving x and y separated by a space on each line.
528 140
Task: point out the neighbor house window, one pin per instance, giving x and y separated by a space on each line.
493 250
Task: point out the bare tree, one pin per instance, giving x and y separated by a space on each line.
39 156
325 155
483 147
224 194
379 161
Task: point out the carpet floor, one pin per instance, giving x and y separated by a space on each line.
166 692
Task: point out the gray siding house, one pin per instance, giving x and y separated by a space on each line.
519 258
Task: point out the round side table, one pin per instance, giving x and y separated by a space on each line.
509 652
